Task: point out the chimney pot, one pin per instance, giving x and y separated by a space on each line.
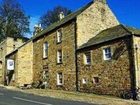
61 15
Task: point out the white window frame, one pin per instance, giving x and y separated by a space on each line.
86 58
59 35
60 82
59 56
84 81
105 53
45 49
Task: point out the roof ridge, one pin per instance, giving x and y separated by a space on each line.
109 28
66 19
126 29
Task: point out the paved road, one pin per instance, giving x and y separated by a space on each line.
8 97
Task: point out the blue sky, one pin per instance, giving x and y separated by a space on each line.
127 11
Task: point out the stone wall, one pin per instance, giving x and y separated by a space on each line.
136 46
49 64
6 47
95 18
12 44
2 59
25 64
115 76
23 59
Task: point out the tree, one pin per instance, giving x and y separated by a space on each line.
52 16
13 21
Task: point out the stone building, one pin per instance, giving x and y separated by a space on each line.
21 73
109 62
55 48
87 51
6 47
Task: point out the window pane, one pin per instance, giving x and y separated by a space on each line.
87 58
59 35
96 80
107 53
45 48
59 56
59 79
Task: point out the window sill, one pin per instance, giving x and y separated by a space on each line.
87 64
45 57
58 42
59 63
59 84
107 59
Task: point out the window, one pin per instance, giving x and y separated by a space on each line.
15 39
107 53
96 80
59 36
14 46
59 79
59 56
87 58
84 81
45 50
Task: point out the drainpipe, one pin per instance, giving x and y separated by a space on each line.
76 65
137 71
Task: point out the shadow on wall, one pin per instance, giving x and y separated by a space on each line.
126 92
9 77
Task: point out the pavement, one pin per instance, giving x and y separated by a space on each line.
11 97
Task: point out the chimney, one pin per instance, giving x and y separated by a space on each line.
37 29
103 1
61 15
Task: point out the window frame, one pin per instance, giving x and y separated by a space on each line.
96 80
59 35
59 56
86 62
45 50
60 82
84 81
106 53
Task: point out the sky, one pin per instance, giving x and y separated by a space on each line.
126 11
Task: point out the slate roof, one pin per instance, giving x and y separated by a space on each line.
63 21
111 34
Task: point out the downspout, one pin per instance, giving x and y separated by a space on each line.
134 62
76 65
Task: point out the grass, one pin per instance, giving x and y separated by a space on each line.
83 97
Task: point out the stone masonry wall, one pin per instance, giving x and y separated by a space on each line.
50 65
136 46
25 64
114 75
95 18
8 45
2 55
23 60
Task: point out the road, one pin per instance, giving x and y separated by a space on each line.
9 97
